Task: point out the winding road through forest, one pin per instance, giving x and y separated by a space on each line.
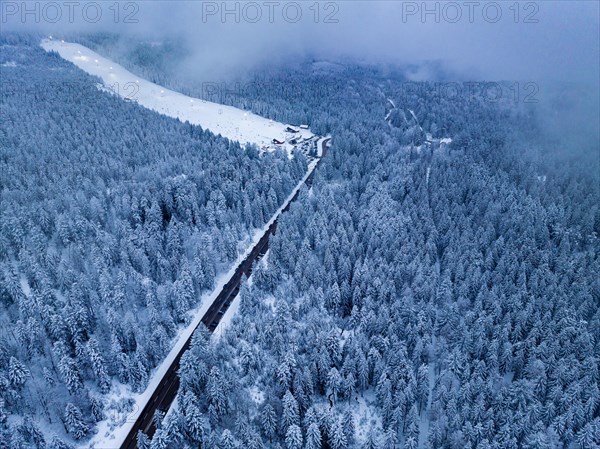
166 391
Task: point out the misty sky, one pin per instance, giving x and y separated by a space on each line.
537 40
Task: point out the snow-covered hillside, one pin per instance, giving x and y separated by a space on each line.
230 122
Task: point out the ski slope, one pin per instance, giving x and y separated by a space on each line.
230 122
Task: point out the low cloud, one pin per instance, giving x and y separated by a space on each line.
492 40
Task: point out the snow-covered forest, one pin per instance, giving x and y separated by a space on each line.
420 295
115 220
436 287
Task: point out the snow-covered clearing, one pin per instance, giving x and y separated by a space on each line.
257 395
364 411
366 416
230 122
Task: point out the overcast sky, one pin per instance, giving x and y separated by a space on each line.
491 40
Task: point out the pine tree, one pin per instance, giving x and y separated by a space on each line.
70 374
160 440
410 443
216 391
334 296
313 437
57 443
372 440
143 442
97 409
33 432
293 437
196 424
349 386
3 415
227 441
391 438
74 422
348 425
284 374
337 435
363 372
268 420
589 435
253 440
184 291
98 365
334 383
291 414
15 438
172 427
422 386
17 372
